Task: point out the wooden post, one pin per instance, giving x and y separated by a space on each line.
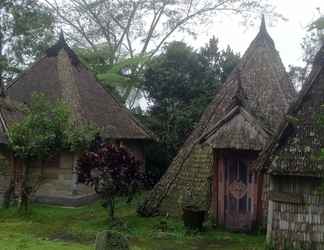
259 191
215 187
221 189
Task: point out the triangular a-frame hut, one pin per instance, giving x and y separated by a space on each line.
294 160
60 75
214 165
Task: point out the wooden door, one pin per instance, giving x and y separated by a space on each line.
237 197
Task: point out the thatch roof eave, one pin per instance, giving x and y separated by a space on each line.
264 161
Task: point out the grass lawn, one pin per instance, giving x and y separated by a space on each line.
58 228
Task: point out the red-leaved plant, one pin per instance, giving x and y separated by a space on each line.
111 170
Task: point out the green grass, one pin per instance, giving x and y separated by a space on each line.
54 228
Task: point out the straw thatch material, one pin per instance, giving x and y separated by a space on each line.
243 115
61 76
296 148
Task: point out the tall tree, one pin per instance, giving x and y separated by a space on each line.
179 84
137 28
25 29
311 43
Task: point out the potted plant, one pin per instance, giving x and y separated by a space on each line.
193 214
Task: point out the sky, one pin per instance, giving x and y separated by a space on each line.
287 35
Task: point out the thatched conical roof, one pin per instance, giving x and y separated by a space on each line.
296 148
61 76
243 115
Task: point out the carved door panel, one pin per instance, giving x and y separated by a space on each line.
238 194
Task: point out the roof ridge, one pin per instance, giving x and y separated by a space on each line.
25 72
70 91
62 44
261 39
130 115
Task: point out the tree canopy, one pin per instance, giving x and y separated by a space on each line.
47 129
179 84
139 28
311 44
26 27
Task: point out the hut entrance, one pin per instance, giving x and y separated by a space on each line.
235 186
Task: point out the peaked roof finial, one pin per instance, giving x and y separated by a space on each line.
239 94
263 38
61 44
263 24
61 37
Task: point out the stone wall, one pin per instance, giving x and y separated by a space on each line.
4 174
58 186
193 178
296 213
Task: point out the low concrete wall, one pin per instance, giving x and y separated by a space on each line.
69 201
59 184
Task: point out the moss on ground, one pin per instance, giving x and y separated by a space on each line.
53 228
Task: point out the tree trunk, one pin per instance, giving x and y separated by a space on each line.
74 174
24 192
111 208
10 192
7 197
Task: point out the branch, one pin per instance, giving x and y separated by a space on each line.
98 21
129 45
186 19
129 23
56 8
153 25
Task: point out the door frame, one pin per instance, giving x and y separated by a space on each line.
219 188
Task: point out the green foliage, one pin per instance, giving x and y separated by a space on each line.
119 74
78 137
311 44
47 129
41 132
179 84
26 27
121 77
76 228
317 24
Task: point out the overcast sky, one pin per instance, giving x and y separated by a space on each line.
287 35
